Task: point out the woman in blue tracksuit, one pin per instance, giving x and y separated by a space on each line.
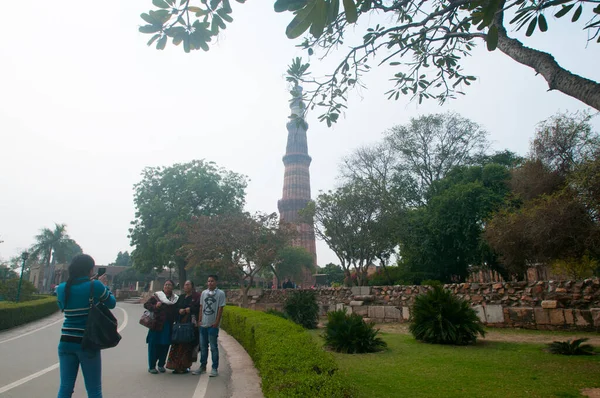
73 299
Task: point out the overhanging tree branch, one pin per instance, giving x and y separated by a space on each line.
558 78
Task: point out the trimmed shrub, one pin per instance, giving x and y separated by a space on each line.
9 288
301 307
273 311
15 314
288 359
351 334
571 347
439 317
431 282
392 275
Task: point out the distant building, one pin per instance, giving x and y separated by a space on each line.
61 273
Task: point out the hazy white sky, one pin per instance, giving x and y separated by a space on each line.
85 105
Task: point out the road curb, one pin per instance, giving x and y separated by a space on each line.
31 326
245 381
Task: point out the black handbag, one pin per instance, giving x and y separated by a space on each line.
183 333
101 328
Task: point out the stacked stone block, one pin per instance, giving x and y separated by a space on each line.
543 305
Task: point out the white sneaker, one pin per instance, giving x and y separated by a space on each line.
199 371
213 373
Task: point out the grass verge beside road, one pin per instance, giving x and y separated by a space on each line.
489 369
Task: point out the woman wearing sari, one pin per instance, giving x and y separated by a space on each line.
182 356
163 305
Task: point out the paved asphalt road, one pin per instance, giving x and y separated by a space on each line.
29 366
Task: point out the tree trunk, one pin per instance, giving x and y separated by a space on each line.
244 291
50 279
182 273
42 274
276 277
558 78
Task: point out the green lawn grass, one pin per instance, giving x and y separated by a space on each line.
491 369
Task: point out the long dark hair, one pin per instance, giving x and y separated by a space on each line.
80 266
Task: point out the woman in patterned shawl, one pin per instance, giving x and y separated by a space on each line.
182 356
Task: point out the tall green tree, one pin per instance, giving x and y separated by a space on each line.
168 197
564 141
52 246
423 42
236 243
429 146
444 238
352 223
6 273
291 262
552 215
545 230
335 273
123 259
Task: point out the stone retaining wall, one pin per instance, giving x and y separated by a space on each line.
121 295
533 305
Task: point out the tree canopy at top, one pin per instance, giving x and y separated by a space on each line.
424 41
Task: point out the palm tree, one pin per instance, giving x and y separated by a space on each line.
52 246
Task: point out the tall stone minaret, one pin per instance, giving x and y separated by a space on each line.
296 181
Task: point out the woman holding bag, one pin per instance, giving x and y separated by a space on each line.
73 299
162 304
181 356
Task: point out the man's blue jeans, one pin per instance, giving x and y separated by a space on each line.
209 335
91 366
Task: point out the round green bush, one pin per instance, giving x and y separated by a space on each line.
349 333
9 288
301 307
439 317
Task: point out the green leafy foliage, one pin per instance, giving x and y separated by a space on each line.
51 247
350 334
552 215
167 197
236 243
575 347
291 262
334 273
301 307
9 288
442 239
389 276
132 275
15 314
288 359
353 225
274 312
439 317
7 273
123 259
425 45
431 282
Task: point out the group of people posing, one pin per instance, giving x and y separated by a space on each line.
84 287
202 310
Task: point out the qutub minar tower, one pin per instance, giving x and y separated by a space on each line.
296 181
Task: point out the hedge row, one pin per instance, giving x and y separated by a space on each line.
289 361
15 314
